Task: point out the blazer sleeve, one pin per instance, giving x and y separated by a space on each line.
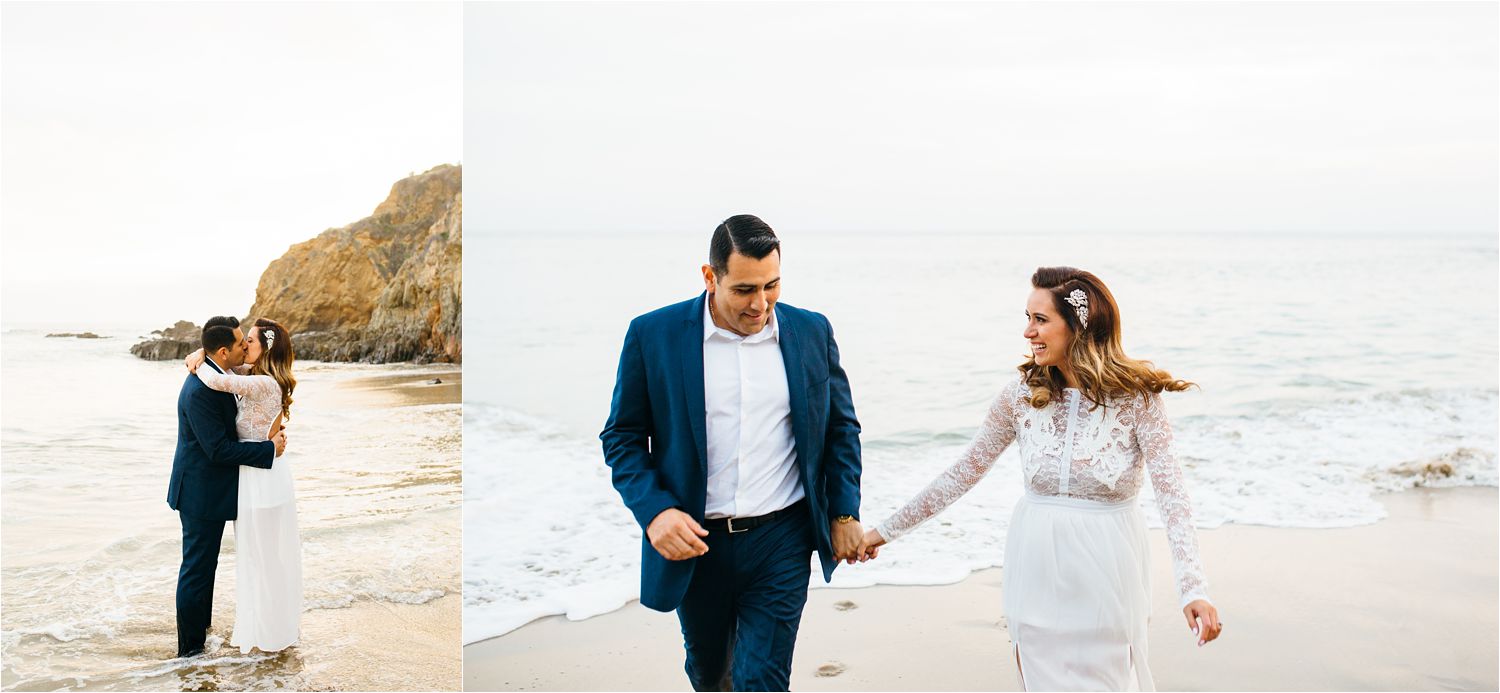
217 440
627 437
841 455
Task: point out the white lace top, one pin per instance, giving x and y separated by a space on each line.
259 400
1109 450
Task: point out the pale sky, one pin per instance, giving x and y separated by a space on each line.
156 157
1117 116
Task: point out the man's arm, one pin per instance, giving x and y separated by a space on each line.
626 438
217 441
841 462
841 457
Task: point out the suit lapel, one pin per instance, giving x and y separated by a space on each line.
691 344
796 385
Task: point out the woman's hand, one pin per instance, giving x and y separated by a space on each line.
194 360
873 542
1203 620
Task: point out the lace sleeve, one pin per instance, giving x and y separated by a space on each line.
1153 433
995 434
244 385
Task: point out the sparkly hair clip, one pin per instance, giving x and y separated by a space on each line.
1080 302
270 338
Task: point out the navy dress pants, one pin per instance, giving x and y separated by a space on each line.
195 581
742 608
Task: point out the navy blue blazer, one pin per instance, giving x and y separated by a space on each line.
655 440
206 468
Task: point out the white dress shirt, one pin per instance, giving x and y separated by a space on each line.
752 455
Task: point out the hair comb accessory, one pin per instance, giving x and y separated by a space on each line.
1080 302
270 338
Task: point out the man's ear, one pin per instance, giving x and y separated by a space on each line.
708 279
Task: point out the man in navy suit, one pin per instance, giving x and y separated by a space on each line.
732 439
204 489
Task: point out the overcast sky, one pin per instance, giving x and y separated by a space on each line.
156 157
1339 117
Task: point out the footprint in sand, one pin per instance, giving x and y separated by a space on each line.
845 605
830 669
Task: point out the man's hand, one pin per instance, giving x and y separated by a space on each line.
676 535
280 440
194 360
848 541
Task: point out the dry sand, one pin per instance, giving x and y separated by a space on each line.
1408 603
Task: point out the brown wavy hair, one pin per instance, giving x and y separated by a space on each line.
276 361
1094 353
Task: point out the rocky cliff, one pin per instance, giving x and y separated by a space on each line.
385 288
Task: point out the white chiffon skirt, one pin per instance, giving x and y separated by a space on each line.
268 560
1077 594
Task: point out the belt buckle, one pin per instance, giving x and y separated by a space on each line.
729 522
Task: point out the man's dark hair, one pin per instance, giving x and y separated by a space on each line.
218 333
216 338
745 234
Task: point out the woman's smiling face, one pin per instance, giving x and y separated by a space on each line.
1047 331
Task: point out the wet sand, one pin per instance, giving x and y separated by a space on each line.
1408 603
370 646
401 389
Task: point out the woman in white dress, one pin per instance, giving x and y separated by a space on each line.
1090 425
268 551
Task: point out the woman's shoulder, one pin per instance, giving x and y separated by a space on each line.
1014 390
1138 402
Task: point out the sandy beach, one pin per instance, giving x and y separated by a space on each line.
1407 603
434 384
89 602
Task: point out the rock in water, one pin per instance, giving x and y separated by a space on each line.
172 343
385 288
183 331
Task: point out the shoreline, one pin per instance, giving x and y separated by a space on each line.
405 389
1409 602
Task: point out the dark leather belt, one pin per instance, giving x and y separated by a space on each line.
735 525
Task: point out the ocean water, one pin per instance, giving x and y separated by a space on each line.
91 550
1330 367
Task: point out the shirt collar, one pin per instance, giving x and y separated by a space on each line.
772 331
217 367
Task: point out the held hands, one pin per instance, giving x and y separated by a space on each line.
1203 620
676 535
849 542
193 361
873 542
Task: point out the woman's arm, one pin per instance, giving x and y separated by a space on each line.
195 359
995 434
245 385
1153 434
